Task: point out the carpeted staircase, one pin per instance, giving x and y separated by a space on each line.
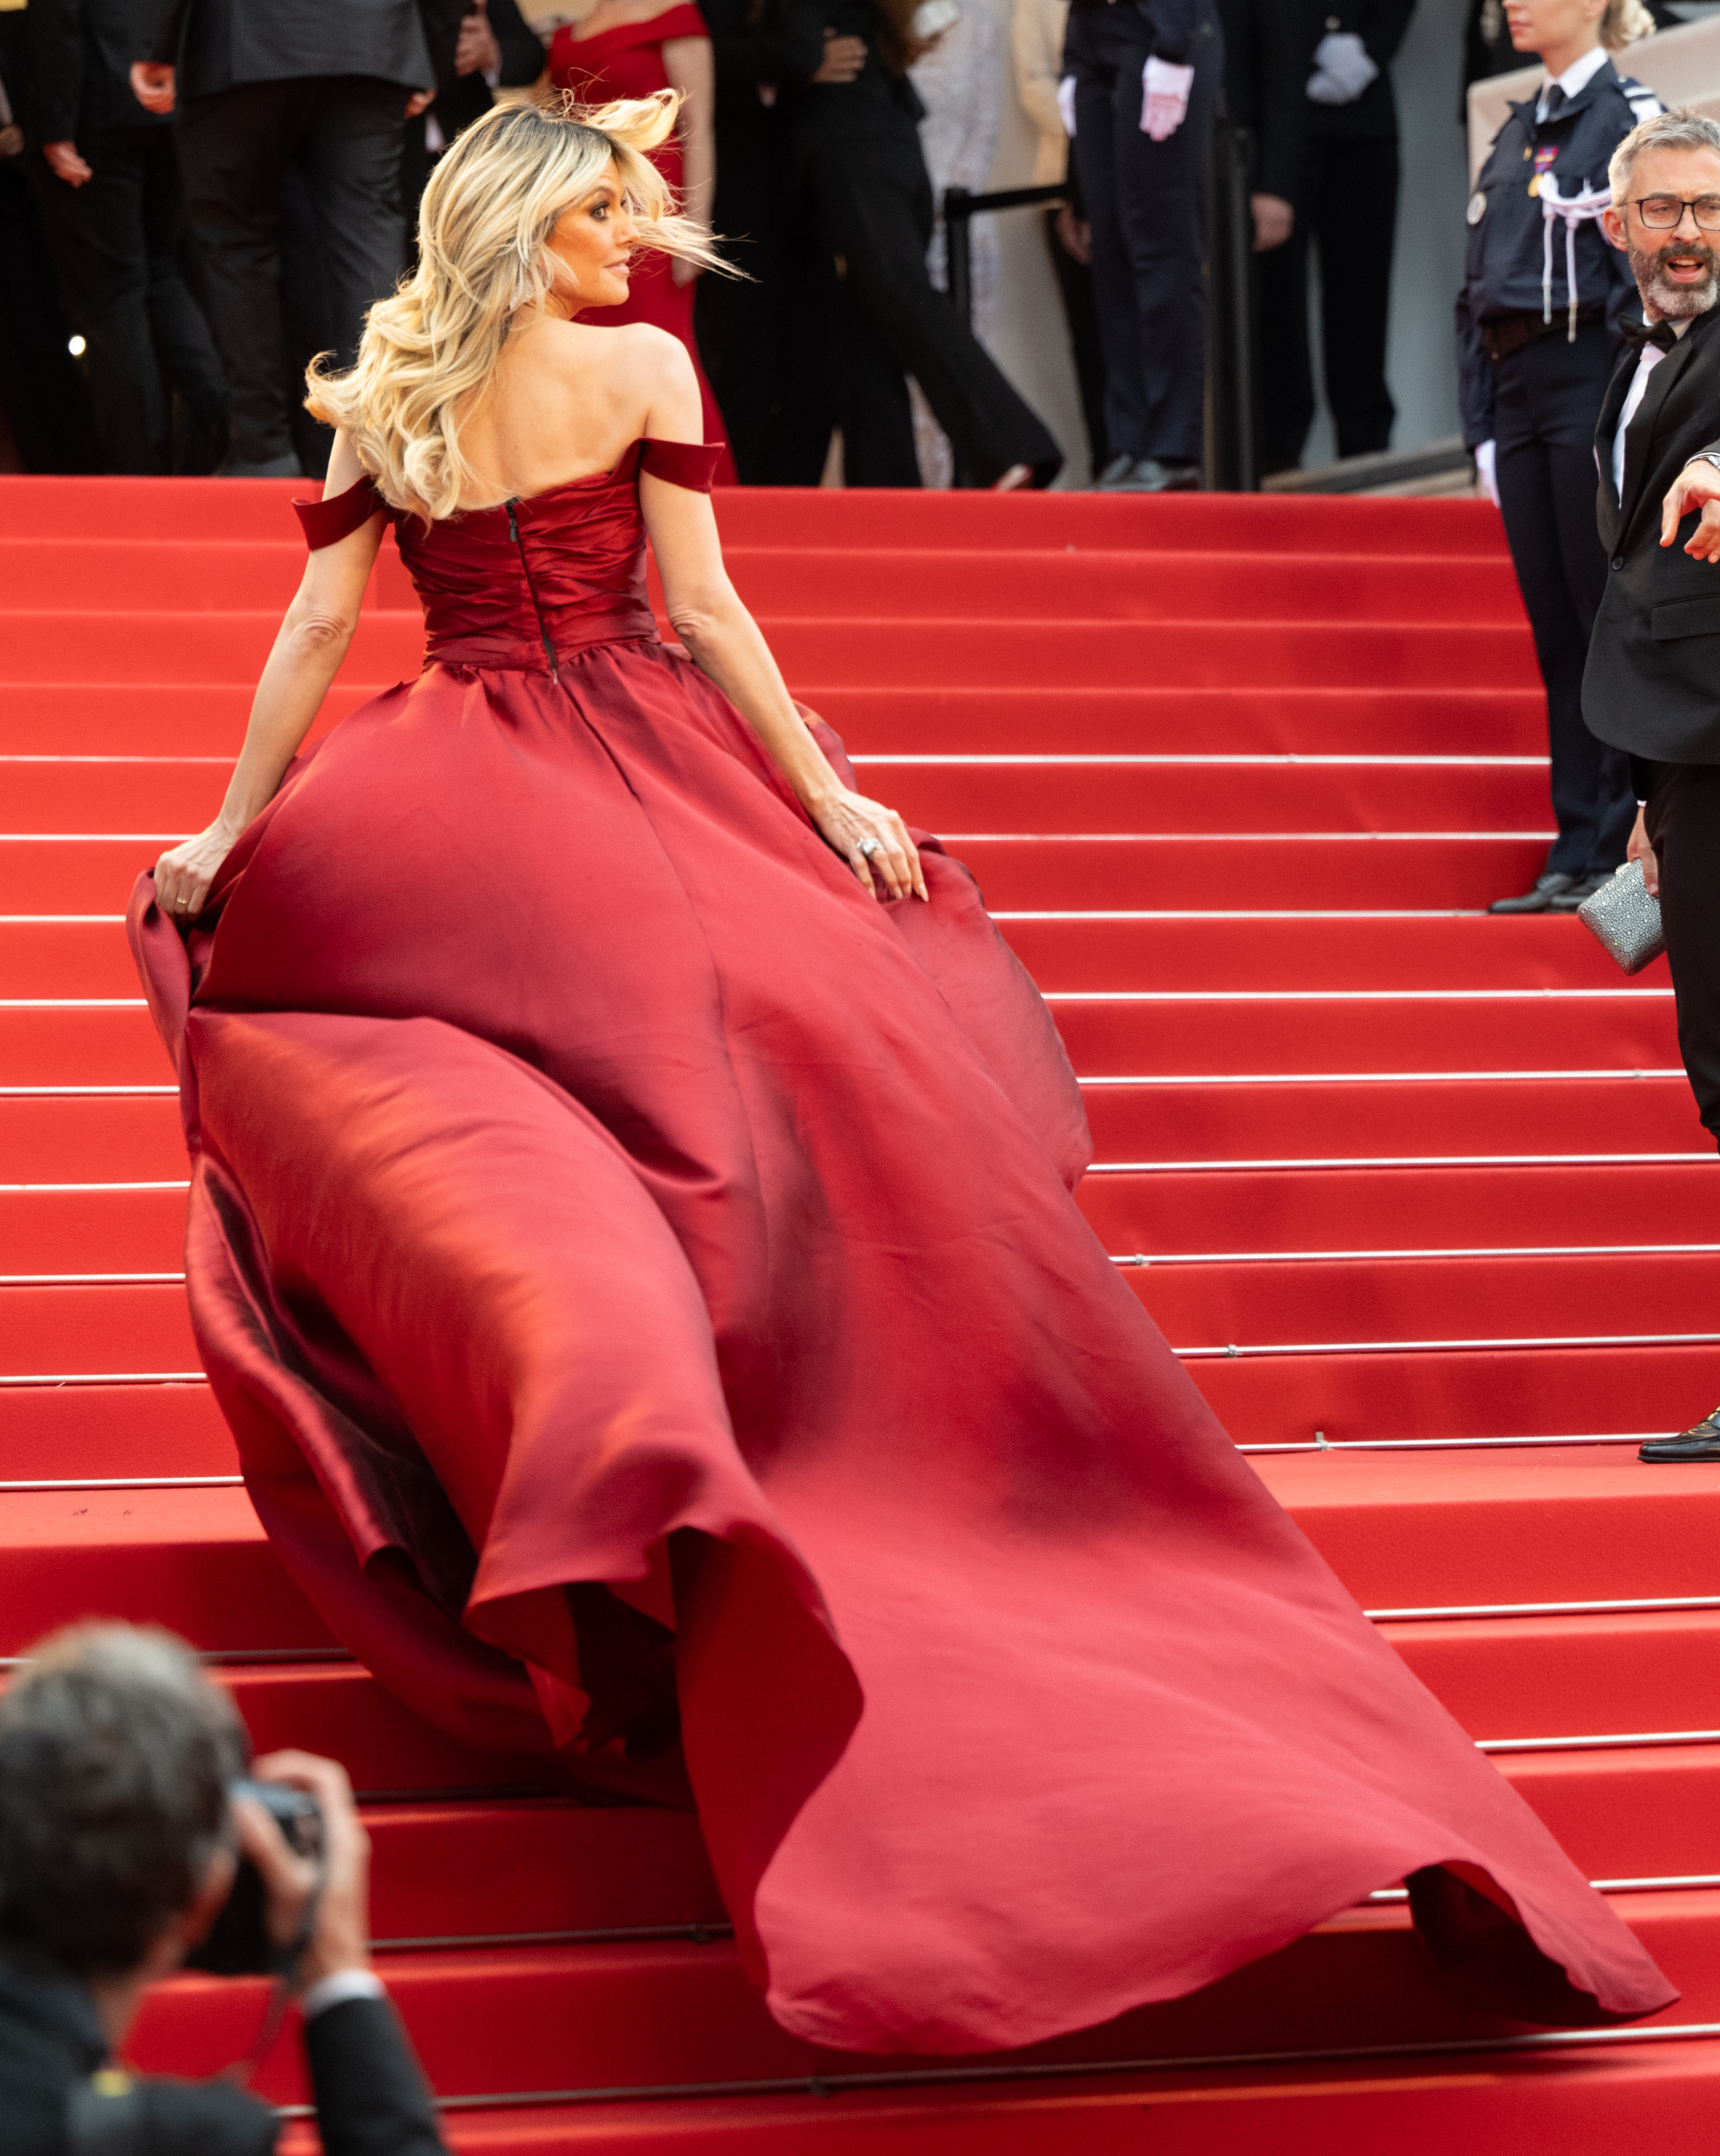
1421 1196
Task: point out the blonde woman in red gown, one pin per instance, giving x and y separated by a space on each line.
631 1238
631 48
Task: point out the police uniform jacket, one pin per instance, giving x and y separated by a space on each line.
1504 267
1652 683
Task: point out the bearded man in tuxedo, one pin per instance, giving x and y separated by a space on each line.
1652 683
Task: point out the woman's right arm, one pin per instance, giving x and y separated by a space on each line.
312 642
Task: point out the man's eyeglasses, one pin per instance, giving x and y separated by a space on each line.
1666 212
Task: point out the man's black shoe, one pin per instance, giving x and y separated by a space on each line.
1567 902
1702 1442
1548 888
1146 476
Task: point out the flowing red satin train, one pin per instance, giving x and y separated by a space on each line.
641 1275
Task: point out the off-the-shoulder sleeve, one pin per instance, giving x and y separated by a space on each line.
682 464
679 22
332 518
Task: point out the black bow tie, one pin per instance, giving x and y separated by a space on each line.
1636 335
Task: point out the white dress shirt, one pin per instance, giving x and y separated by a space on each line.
1650 358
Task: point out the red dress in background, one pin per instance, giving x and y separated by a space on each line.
628 62
642 1277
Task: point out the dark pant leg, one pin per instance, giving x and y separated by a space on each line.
96 233
349 154
1355 218
1548 399
233 147
185 351
1682 816
1286 367
1075 281
1148 204
874 198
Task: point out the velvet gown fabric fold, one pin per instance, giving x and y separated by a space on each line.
641 1274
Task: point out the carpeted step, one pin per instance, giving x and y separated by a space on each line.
676 2012
100 1432
985 584
86 1232
1467 951
1659 1295
1620 1028
1517 1207
207 718
1626 1028
1633 1812
1521 1677
1403 1529
953 795
193 1560
1274 870
92 1136
1204 870
1509 1524
1497 1385
1388 1118
150 510
1489 2104
910 652
134 1330
61 958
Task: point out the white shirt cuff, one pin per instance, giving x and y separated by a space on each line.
336 1989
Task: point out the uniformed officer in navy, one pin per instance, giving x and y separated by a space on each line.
1537 340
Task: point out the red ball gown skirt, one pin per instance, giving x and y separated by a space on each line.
641 1275
628 62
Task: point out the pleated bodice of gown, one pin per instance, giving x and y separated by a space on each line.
642 1276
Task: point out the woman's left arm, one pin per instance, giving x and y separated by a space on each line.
725 642
691 69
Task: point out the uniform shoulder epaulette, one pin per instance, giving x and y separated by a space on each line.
1641 99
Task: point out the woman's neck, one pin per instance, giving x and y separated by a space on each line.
1556 58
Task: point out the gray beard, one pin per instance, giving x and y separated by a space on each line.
1673 303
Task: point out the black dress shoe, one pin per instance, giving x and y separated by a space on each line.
1567 902
1548 888
1702 1442
1146 476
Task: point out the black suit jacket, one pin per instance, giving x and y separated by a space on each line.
1652 683
216 44
83 54
464 98
371 2099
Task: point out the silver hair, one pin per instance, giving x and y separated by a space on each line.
1680 129
115 1755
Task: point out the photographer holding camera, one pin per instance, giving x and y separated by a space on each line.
129 1844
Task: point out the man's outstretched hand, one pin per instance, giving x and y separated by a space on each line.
1697 486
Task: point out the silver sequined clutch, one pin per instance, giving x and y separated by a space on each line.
1626 919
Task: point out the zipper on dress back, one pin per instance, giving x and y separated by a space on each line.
549 649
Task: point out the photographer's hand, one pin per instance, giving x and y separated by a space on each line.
340 1938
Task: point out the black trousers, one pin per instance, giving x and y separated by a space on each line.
1548 398
117 253
1075 281
1348 202
875 214
344 135
1147 204
1682 819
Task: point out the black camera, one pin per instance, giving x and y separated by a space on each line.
238 1944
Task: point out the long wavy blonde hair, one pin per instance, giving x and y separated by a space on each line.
494 199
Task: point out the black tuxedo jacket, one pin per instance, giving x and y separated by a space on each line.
216 44
371 2099
1652 683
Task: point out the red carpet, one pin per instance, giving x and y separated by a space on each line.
1238 777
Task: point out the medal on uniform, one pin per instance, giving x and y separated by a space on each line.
1546 155
1477 207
